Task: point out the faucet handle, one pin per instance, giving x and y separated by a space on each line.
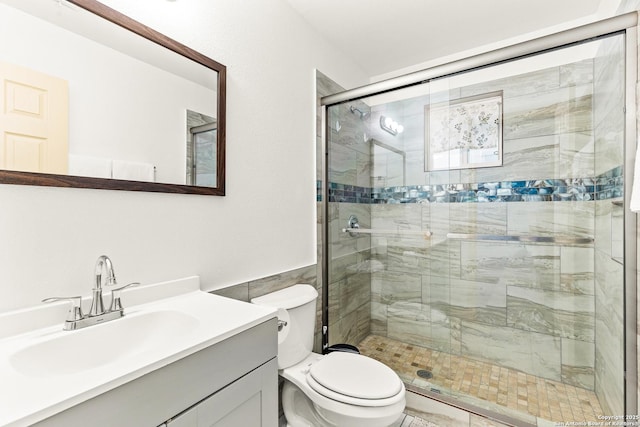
132 284
116 304
75 311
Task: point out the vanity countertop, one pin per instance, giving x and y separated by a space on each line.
46 370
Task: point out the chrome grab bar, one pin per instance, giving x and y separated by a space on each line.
425 233
353 228
562 240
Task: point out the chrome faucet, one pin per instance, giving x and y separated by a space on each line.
97 314
97 304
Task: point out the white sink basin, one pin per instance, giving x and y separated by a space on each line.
45 370
92 347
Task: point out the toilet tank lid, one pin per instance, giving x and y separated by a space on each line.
291 297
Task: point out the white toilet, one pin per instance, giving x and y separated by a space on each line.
336 389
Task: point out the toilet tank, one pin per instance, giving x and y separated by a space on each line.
297 307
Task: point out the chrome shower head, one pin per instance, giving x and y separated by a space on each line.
364 115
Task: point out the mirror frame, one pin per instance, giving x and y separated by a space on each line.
69 181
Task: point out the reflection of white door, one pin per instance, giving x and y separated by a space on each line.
33 121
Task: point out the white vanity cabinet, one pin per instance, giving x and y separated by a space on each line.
231 383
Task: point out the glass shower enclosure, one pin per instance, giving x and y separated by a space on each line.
475 233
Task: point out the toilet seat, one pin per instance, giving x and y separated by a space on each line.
355 379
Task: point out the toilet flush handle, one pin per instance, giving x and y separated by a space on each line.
281 324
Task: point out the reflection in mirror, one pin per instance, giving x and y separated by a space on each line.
99 105
464 133
388 165
34 121
201 149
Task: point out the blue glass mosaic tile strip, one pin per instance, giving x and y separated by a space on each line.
349 194
606 186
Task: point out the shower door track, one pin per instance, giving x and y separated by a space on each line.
626 24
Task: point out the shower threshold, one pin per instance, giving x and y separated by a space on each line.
503 390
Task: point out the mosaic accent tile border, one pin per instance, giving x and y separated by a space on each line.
606 186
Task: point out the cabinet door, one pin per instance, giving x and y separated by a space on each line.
240 403
250 401
246 414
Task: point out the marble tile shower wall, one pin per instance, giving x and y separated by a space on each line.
349 277
524 306
533 307
350 292
324 86
549 146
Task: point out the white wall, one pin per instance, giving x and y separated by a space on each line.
51 237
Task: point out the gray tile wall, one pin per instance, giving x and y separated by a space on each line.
349 267
485 299
255 288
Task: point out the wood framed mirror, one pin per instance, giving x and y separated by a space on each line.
134 99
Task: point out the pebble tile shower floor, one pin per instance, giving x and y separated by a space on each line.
510 388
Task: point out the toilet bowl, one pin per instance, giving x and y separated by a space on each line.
336 389
342 389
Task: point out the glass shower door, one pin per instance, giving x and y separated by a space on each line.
487 267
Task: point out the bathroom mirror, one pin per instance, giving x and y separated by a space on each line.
122 94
